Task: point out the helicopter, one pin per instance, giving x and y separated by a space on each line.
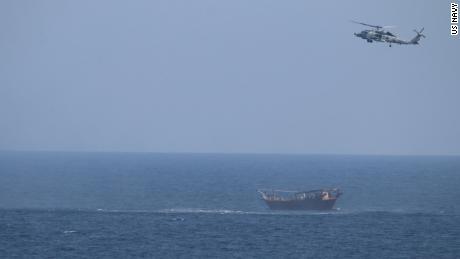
378 34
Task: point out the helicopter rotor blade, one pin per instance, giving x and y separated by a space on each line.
370 25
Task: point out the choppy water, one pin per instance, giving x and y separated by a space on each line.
122 205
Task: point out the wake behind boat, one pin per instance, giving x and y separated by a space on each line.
323 199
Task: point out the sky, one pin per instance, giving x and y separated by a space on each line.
236 76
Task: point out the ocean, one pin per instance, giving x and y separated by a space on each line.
153 205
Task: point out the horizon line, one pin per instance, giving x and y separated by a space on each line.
226 153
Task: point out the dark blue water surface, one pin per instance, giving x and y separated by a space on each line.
124 205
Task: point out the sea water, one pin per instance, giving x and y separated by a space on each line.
130 205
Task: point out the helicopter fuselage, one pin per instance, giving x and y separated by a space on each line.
376 35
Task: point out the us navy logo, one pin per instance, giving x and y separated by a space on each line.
454 19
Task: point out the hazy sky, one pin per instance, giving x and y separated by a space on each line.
227 76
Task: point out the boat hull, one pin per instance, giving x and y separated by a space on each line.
307 204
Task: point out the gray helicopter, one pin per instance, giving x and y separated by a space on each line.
378 34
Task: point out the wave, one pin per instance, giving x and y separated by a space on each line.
335 212
198 210
225 211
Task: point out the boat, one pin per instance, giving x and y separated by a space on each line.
322 199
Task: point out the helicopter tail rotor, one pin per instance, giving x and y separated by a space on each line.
419 33
416 39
